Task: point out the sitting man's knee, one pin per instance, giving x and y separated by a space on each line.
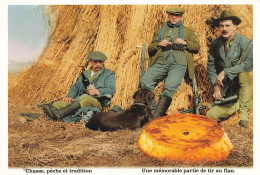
85 96
87 100
244 79
143 80
213 115
59 104
145 84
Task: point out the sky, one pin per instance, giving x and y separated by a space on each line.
27 35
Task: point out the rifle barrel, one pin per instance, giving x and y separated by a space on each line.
142 60
223 101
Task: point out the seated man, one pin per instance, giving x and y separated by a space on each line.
224 55
100 84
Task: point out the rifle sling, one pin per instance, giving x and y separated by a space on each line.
245 52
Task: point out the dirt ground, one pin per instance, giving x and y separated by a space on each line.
42 142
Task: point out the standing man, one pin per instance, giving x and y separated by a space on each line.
101 83
224 55
170 52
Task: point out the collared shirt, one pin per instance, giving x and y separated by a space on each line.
227 44
230 41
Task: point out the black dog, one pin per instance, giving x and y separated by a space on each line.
138 115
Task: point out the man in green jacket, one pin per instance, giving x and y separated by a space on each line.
224 54
170 52
100 85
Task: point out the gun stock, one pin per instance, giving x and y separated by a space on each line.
85 80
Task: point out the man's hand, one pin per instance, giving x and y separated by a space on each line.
220 78
180 41
92 90
68 99
164 43
217 92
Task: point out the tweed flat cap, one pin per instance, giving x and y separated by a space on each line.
177 11
97 56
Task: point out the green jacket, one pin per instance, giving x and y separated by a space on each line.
105 83
192 47
217 61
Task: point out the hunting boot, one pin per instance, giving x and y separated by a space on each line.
47 108
59 114
162 106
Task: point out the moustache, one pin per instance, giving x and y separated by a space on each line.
224 32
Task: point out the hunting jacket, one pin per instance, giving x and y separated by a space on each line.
217 61
192 47
105 83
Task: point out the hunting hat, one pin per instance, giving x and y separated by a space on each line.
97 56
227 14
175 11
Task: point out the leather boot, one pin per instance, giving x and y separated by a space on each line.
59 114
162 106
47 109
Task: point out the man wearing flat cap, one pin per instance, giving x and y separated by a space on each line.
101 82
224 66
170 54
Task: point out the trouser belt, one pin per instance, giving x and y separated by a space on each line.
174 47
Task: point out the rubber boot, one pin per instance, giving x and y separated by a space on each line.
59 114
162 106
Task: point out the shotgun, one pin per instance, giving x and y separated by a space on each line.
196 109
224 101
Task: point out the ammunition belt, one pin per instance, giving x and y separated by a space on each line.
174 47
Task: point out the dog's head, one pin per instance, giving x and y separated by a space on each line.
143 96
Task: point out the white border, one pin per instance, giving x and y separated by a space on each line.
4 79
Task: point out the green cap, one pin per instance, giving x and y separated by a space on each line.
226 15
177 11
97 56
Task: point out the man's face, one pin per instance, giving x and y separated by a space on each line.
174 18
97 65
227 29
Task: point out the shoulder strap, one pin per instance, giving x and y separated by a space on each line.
245 52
